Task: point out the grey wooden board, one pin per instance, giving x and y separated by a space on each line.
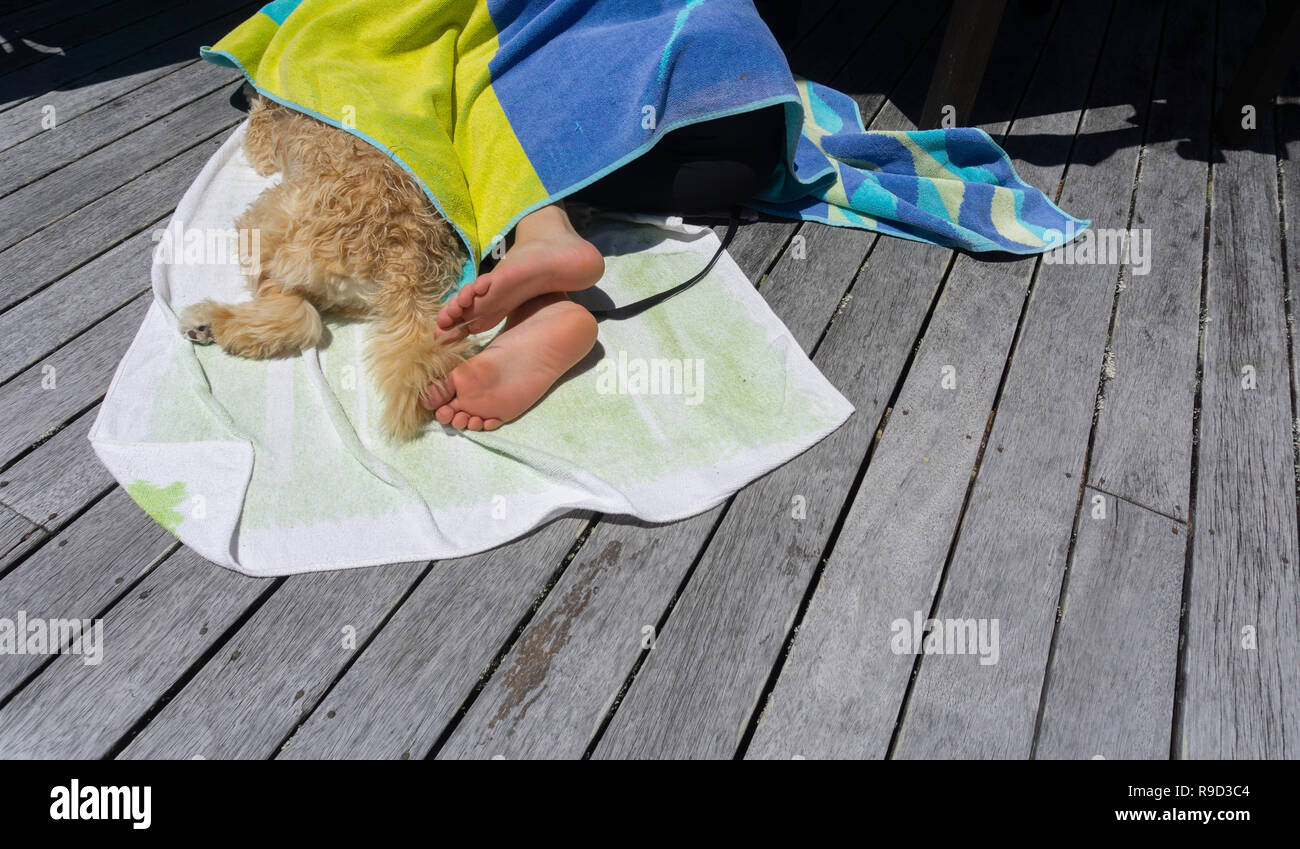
563 674
845 24
70 140
757 246
1010 559
82 369
401 693
840 689
128 74
59 477
16 535
40 259
27 210
1240 702
254 691
1111 677
59 312
1110 688
66 34
34 16
36 327
1142 447
24 121
1289 120
80 572
177 612
86 56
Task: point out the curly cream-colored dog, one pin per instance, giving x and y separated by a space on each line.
345 231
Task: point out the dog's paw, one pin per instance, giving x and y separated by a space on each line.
195 325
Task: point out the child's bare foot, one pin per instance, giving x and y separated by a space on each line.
543 339
548 256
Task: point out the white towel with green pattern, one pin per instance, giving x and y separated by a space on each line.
278 467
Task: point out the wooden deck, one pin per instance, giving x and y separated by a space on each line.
1101 463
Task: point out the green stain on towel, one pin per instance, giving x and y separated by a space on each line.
159 502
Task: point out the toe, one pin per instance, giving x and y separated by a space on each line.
491 424
475 423
444 414
460 420
437 394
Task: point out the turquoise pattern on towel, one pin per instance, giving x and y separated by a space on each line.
951 187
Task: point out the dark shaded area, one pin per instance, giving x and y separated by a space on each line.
70 44
74 43
827 42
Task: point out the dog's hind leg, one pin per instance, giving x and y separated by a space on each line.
273 324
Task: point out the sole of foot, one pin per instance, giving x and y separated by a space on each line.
564 263
542 340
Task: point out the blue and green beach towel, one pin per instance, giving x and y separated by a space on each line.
502 106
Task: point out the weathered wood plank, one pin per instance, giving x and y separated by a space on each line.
40 259
33 16
80 573
1143 443
88 48
30 407
56 314
41 324
268 677
1241 689
1010 559
1288 114
17 535
66 34
399 695
1125 583
839 34
1110 688
840 690
67 142
86 93
27 210
178 612
58 478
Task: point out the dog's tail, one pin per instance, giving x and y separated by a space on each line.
405 357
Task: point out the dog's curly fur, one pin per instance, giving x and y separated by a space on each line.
345 231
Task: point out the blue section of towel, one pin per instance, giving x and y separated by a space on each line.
590 86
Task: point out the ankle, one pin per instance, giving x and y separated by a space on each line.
549 221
